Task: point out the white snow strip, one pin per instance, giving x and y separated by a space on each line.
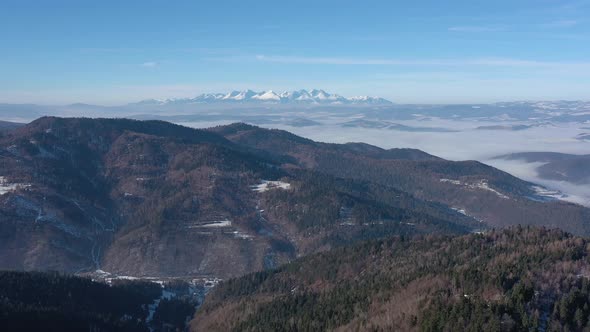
457 182
212 224
127 278
482 184
347 223
102 273
462 211
268 185
242 235
6 187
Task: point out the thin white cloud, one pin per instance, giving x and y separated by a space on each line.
487 61
342 60
477 28
561 24
150 64
574 5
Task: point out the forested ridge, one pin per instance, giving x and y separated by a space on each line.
51 301
518 279
40 301
135 197
139 197
456 184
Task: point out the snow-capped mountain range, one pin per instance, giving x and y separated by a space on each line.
314 96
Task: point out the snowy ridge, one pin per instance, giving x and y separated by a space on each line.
302 96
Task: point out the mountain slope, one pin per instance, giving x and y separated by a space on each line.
149 198
517 279
152 198
483 192
7 126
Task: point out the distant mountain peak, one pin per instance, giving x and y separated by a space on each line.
302 96
267 96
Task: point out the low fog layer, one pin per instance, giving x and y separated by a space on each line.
456 132
527 171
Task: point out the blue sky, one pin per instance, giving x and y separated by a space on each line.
112 52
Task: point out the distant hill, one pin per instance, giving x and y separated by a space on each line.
504 127
6 126
36 301
519 279
392 126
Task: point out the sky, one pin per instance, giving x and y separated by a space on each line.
114 52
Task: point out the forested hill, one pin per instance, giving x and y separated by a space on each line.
489 195
35 301
151 198
50 301
6 126
518 279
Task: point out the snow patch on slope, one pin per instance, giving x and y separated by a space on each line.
268 185
481 184
268 95
213 224
6 187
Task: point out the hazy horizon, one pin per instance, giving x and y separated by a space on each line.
123 103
